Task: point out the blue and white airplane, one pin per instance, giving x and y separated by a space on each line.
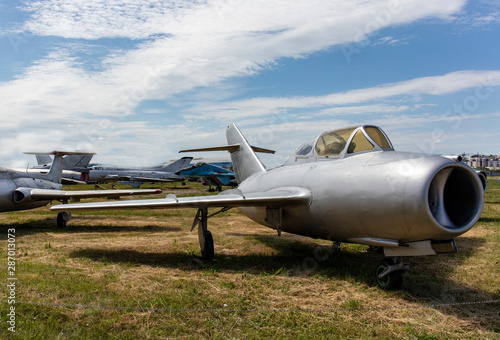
210 175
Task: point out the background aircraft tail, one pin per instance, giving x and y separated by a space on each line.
77 162
70 162
177 165
43 159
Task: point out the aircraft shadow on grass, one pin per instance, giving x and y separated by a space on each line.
49 225
295 257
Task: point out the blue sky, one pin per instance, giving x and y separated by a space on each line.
138 81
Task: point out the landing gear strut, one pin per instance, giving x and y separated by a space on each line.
204 235
389 273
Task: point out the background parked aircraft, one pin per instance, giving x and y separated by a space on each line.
210 175
346 185
135 176
20 190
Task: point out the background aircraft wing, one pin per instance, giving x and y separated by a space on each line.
46 194
278 197
71 181
151 179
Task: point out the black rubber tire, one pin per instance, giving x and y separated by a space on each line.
61 222
393 280
208 253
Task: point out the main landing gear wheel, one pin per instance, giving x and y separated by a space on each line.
207 252
63 218
390 281
204 235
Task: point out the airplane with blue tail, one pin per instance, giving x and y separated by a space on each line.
210 175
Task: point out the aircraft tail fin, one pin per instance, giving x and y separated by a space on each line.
55 173
245 161
75 162
43 159
177 165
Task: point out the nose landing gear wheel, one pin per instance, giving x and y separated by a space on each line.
392 280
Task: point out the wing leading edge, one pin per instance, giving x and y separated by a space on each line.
230 198
46 194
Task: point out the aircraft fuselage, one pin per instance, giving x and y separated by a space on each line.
11 180
376 196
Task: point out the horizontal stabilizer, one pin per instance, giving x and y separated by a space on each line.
59 153
278 197
230 148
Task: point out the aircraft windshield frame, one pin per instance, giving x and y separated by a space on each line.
341 143
332 143
350 141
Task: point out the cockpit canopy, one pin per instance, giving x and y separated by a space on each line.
342 143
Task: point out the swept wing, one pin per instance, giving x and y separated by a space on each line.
230 198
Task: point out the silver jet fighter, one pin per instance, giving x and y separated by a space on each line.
347 185
21 190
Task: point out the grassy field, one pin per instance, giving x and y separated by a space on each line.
133 275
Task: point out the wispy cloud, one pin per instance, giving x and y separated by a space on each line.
485 20
436 85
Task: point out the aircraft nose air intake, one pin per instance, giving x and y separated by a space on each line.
455 198
18 196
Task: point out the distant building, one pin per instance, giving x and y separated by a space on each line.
494 164
478 161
